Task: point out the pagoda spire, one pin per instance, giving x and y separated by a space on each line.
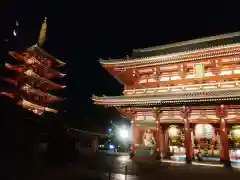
43 32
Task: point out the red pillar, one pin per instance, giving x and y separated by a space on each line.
221 113
184 113
133 138
161 141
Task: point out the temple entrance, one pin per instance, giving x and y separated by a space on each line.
175 142
206 142
234 143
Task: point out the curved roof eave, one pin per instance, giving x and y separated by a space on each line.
224 94
61 63
159 58
188 42
32 105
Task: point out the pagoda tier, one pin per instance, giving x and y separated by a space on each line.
35 108
220 62
36 81
36 55
182 99
36 68
32 94
38 109
45 97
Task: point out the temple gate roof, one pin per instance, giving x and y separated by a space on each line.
197 49
169 98
190 45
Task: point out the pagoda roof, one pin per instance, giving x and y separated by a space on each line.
30 105
37 50
169 98
178 52
20 68
30 73
29 89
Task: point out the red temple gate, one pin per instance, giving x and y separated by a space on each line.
167 85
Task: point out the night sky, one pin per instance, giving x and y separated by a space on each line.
81 32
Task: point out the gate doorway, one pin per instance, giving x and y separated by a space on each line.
206 142
234 143
174 139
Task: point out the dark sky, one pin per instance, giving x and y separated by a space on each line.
80 32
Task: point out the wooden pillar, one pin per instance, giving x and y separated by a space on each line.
158 134
184 113
221 113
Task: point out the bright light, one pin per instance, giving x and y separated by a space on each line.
123 133
110 130
111 146
14 33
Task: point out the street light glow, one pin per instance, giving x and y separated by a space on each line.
111 146
123 133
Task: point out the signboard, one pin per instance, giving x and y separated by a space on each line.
199 70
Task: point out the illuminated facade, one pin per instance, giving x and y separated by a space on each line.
33 78
182 99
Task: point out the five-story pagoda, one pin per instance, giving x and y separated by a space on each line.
182 98
32 77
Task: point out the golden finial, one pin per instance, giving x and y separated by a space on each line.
43 31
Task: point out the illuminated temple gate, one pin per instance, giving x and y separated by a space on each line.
182 98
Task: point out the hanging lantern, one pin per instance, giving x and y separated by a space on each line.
204 131
174 133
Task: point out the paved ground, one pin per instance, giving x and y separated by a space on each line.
99 166
88 167
183 171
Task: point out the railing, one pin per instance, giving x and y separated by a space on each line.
186 88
